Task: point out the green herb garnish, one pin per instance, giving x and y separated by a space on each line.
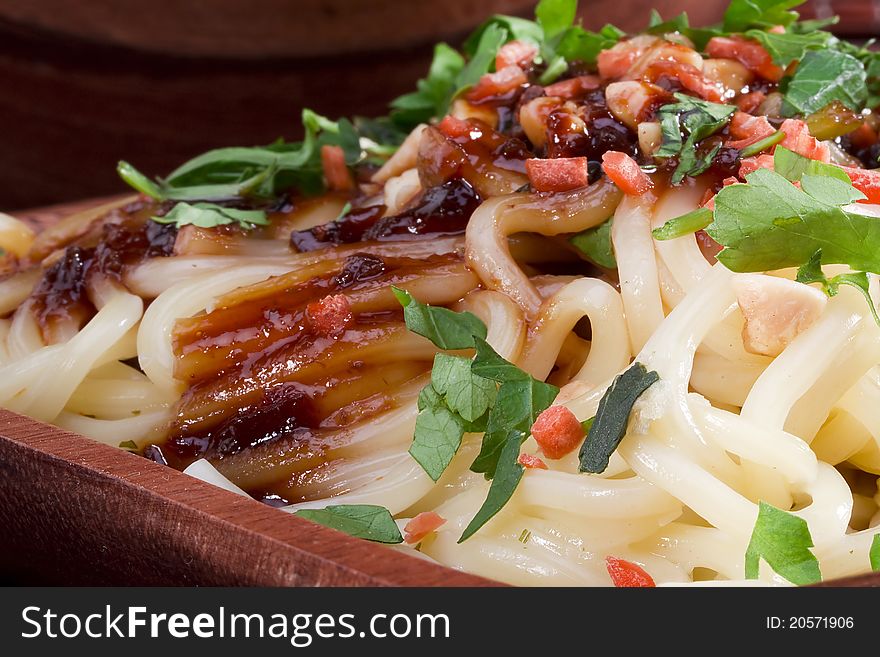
595 243
786 48
609 426
368 521
465 396
260 172
768 223
874 553
684 225
445 328
210 215
684 124
811 272
744 14
822 77
521 399
507 478
454 402
783 540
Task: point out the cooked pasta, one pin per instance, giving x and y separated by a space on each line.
603 227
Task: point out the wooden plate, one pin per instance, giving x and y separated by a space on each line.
75 511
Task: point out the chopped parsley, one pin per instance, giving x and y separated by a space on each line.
368 521
782 540
595 244
684 124
608 428
486 394
210 215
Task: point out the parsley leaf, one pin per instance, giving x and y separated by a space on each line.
769 223
822 77
783 540
437 437
258 172
517 406
520 400
555 16
519 29
368 521
490 365
209 215
697 119
609 426
595 243
786 48
445 328
580 45
681 24
507 478
811 272
433 93
874 554
447 77
793 166
482 60
467 394
743 14
464 396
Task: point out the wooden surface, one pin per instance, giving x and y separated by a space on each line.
88 83
74 511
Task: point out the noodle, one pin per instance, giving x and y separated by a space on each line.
328 351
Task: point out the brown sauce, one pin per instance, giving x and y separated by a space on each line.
61 294
261 377
441 210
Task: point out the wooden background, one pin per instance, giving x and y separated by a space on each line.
83 84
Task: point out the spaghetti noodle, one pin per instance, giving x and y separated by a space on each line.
231 325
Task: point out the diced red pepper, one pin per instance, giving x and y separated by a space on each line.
335 171
750 164
531 461
329 316
498 83
557 432
748 129
573 88
799 140
750 54
615 62
867 181
625 173
422 525
559 174
515 53
454 127
627 574
751 101
689 77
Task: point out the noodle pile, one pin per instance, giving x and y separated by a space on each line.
210 357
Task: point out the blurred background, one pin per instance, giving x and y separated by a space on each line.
83 84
